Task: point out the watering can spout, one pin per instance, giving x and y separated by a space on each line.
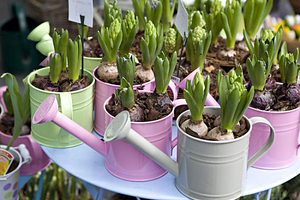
119 128
48 112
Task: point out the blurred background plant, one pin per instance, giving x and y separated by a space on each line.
58 184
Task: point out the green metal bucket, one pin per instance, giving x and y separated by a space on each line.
90 63
77 105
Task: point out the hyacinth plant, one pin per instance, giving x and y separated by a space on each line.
198 41
153 11
269 42
255 12
195 96
74 58
147 10
163 71
151 44
111 12
125 94
289 71
19 104
55 67
172 41
195 20
139 8
259 70
168 8
60 43
234 99
288 65
269 36
110 39
129 30
231 20
126 68
213 18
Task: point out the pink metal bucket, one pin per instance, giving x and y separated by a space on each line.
126 162
40 160
103 91
284 151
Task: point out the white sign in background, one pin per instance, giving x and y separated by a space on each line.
81 7
182 20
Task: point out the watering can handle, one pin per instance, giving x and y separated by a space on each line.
264 149
24 153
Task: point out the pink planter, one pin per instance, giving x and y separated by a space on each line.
103 91
284 151
40 160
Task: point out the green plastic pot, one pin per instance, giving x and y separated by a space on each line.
90 63
77 105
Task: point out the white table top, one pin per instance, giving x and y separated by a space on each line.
86 164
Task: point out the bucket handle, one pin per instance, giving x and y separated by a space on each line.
24 153
67 110
264 149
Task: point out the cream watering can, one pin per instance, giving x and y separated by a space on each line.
204 169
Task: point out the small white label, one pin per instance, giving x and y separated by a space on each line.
81 7
182 19
175 80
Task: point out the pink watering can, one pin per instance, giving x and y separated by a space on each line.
122 159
